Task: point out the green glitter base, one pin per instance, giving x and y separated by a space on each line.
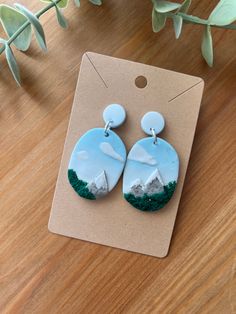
79 186
152 202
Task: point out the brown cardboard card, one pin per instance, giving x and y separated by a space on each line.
111 220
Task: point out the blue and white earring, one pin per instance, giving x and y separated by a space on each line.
98 158
152 168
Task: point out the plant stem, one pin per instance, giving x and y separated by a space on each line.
195 20
27 23
186 19
45 9
191 19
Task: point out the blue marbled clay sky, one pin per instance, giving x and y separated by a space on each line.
145 157
94 153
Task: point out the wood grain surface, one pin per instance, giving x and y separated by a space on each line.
44 273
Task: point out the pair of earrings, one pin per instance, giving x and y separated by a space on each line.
150 169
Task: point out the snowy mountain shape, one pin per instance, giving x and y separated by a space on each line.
99 186
153 185
137 188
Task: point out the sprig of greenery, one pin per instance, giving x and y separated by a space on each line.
18 23
222 16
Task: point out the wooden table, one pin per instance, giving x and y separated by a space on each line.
45 273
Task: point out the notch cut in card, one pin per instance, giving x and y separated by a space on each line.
111 220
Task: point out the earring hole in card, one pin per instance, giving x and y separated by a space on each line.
141 81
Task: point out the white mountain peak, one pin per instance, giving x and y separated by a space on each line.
137 182
137 188
99 186
101 180
155 174
153 185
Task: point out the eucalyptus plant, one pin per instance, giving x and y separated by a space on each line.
18 23
222 16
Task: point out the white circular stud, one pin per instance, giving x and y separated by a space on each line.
152 120
115 114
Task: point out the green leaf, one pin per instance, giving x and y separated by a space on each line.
62 4
178 23
224 13
192 19
96 2
207 46
11 21
77 3
12 64
185 6
158 21
11 61
38 29
163 6
60 17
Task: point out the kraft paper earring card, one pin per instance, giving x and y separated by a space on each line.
139 88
